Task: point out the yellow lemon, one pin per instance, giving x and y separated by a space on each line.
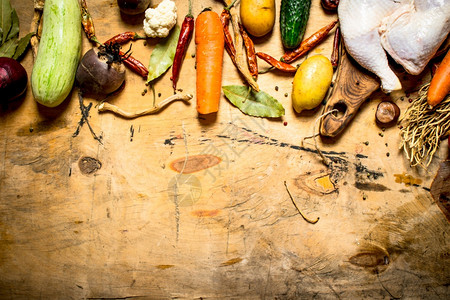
311 82
257 16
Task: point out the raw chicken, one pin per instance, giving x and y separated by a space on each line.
411 31
413 34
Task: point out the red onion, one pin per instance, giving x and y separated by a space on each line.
13 79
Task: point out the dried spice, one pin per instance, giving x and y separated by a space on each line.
163 55
282 66
238 42
251 52
250 102
10 44
229 45
185 36
124 37
309 43
336 46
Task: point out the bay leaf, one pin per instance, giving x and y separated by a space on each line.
14 30
9 48
5 18
163 54
257 104
22 45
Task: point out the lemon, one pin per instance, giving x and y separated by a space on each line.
311 82
257 16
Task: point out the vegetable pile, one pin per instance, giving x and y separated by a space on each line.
101 72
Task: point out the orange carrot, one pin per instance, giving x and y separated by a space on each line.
440 84
209 39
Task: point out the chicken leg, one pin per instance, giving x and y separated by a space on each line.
411 31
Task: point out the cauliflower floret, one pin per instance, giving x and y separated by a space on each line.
160 20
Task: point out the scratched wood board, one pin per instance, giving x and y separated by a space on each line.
129 218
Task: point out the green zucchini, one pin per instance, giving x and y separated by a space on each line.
294 15
59 52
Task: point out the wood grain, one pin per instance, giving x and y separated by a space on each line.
440 189
84 220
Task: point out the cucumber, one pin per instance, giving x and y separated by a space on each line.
294 15
59 52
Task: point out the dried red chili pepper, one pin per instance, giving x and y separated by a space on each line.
336 43
229 45
309 43
238 57
135 65
124 37
187 28
251 52
282 66
132 63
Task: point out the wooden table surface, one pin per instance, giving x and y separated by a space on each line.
80 219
